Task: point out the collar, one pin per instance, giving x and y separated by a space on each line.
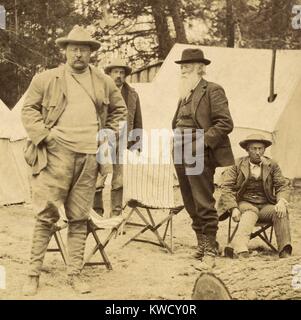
71 71
197 83
254 165
191 91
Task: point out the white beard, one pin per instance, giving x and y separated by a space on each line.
187 83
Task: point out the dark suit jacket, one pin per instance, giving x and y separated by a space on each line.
210 112
134 119
275 185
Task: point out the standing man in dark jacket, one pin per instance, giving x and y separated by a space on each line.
118 70
64 110
202 105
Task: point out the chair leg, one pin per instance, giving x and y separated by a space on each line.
152 227
59 242
171 235
168 221
267 242
271 233
169 224
233 233
155 231
61 246
229 231
165 230
134 238
261 233
129 216
101 248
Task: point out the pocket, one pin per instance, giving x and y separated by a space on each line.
51 144
30 153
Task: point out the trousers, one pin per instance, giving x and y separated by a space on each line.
116 191
69 180
251 213
197 193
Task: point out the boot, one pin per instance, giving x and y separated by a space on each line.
77 234
41 237
199 253
31 285
116 202
78 284
286 252
210 252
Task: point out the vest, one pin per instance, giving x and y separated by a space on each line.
254 191
184 118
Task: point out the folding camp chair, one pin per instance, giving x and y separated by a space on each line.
264 230
149 188
60 247
97 223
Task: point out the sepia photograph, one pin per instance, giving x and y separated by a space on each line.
150 150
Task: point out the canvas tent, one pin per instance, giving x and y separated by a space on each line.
245 76
14 182
19 132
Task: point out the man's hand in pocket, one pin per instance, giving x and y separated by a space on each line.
236 214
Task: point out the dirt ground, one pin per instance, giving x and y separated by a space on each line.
140 271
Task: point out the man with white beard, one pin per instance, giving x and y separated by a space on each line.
202 105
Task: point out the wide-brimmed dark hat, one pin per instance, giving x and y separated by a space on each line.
255 138
118 63
78 35
193 55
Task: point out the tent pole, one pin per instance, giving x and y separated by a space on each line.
272 95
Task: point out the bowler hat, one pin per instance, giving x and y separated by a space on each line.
78 35
255 138
118 63
193 55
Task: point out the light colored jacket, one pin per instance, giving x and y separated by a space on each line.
46 100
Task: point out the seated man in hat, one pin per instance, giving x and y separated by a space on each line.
118 70
254 188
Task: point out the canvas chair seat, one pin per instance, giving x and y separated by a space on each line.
263 229
149 188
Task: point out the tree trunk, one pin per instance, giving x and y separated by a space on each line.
230 25
46 33
164 39
258 279
280 22
174 7
17 33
